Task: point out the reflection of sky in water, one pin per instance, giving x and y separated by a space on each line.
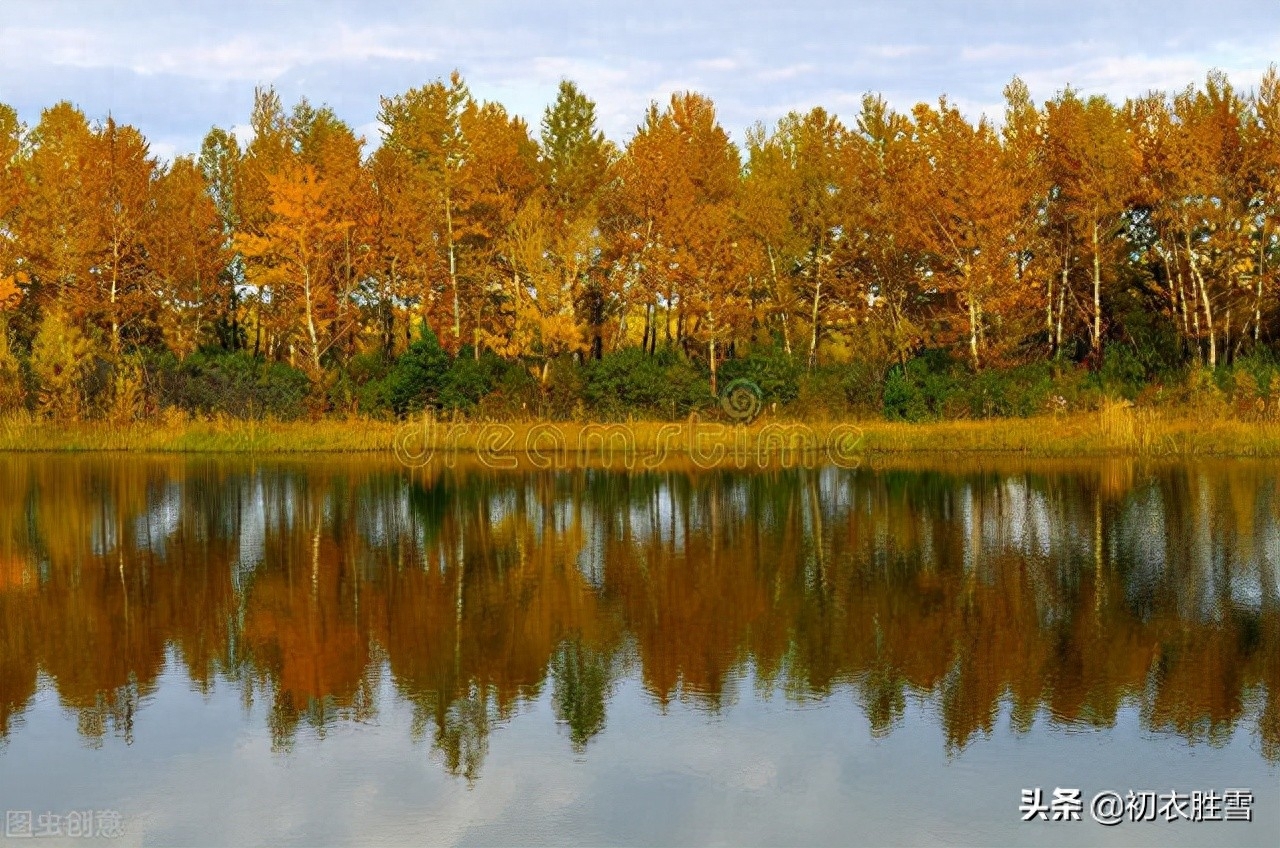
760 770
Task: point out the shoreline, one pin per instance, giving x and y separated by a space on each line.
1113 431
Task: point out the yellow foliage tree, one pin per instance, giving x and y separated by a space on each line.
547 263
292 260
60 359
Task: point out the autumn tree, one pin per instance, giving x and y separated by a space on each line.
293 257
186 256
965 206
766 220
815 187
12 192
11 275
885 265
795 194
305 253
1216 210
56 249
1194 184
1264 146
117 184
418 164
221 163
249 197
500 172
679 188
547 260
553 242
577 162
1032 248
1090 173
60 360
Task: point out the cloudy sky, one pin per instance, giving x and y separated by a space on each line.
175 69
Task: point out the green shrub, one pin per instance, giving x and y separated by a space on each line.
903 399
777 374
926 388
1260 367
1011 393
469 379
821 393
863 385
414 382
516 394
212 382
562 390
362 385
1201 395
631 382
1123 372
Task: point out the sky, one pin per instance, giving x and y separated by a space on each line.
176 69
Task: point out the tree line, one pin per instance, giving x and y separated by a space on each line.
1077 237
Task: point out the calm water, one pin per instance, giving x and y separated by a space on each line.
334 652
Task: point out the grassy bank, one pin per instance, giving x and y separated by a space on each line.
1116 430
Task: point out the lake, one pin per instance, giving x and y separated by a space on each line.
236 651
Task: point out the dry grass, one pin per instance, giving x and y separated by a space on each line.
178 435
1116 430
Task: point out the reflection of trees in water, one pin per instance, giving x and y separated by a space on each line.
583 677
1063 594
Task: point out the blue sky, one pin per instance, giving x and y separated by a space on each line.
175 69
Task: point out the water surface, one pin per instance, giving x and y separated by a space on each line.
351 652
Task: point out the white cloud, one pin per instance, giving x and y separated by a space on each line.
787 72
1003 52
180 71
246 56
723 64
894 51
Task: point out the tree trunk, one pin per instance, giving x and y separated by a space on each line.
1257 301
453 272
666 315
712 351
777 298
620 335
1097 295
1179 297
1204 299
115 288
311 324
973 319
817 299
1062 307
1226 337
389 316
1048 305
973 333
